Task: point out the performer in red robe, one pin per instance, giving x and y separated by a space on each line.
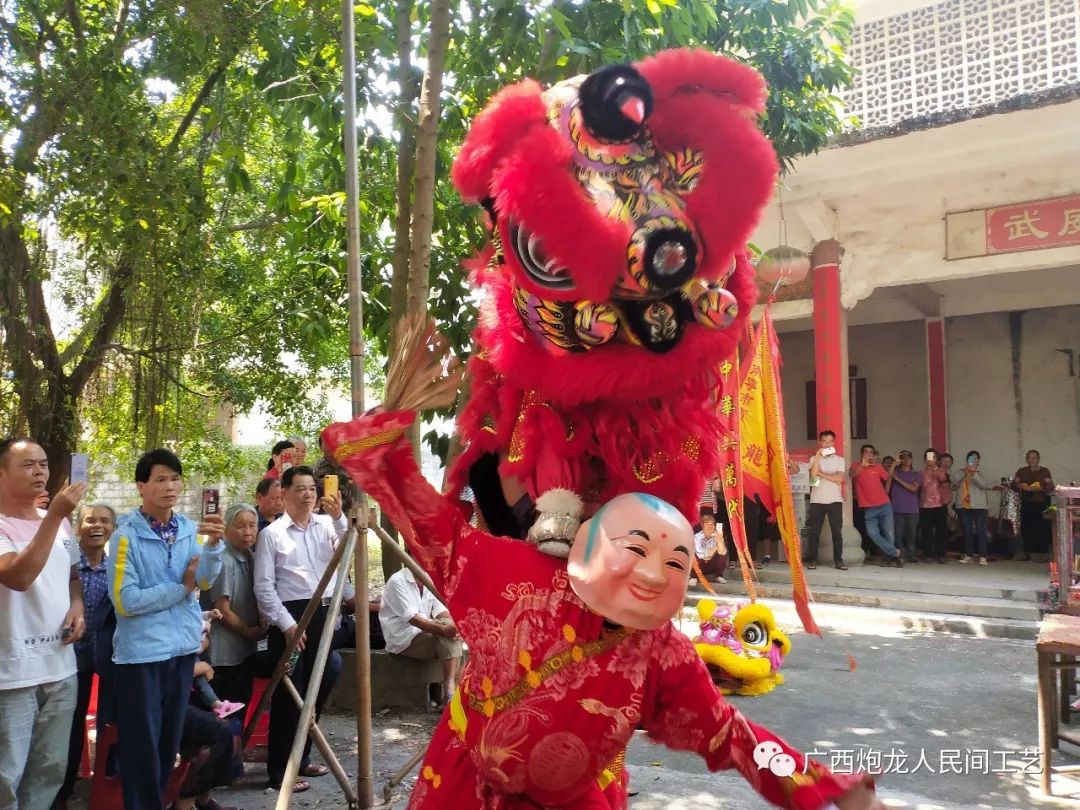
565 662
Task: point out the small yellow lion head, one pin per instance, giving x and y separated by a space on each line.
742 647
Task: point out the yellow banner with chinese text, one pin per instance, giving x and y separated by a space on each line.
764 454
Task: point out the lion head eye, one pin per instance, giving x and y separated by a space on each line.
755 634
615 101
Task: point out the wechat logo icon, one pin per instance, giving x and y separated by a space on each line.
770 755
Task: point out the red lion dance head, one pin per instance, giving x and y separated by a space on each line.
616 279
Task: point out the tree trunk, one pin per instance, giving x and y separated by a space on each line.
427 137
426 144
58 436
45 393
406 126
399 283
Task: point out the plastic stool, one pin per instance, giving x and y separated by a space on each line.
106 792
85 770
261 735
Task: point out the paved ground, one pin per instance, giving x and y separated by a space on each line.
950 578
926 696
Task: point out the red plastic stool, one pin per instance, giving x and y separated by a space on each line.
106 792
85 771
261 735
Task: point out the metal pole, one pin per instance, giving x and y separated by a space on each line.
365 785
292 768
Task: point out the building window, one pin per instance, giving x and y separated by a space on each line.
857 398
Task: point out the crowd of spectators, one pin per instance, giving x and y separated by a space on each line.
174 617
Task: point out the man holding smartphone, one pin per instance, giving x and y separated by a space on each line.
41 617
291 555
158 561
826 499
871 479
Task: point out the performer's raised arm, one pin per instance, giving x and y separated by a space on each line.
377 452
684 711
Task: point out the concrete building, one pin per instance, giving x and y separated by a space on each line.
943 307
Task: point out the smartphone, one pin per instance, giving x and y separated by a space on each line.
330 486
286 460
828 451
80 464
211 500
930 456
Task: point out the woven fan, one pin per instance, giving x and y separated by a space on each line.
423 374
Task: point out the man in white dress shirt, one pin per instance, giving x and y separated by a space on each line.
416 624
291 555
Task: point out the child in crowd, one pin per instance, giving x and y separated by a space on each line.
710 548
204 673
234 641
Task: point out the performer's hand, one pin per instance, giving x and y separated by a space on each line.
861 797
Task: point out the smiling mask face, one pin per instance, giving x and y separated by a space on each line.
630 563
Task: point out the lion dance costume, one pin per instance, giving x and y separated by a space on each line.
742 647
554 689
616 279
615 282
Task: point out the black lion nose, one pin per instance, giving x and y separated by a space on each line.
670 257
615 101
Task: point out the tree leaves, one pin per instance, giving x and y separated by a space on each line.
226 237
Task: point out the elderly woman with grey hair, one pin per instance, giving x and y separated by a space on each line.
234 639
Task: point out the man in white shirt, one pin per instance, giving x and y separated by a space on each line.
291 555
827 476
416 624
41 616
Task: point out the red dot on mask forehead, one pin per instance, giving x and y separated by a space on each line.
663 536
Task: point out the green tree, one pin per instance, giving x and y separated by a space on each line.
170 178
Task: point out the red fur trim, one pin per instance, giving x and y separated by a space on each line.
624 436
505 122
695 70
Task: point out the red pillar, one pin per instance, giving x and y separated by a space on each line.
935 358
830 361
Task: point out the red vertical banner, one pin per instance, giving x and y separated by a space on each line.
935 361
728 379
830 374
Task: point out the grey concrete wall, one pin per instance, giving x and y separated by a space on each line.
1008 388
892 358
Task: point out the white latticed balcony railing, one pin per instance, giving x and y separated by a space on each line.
961 54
